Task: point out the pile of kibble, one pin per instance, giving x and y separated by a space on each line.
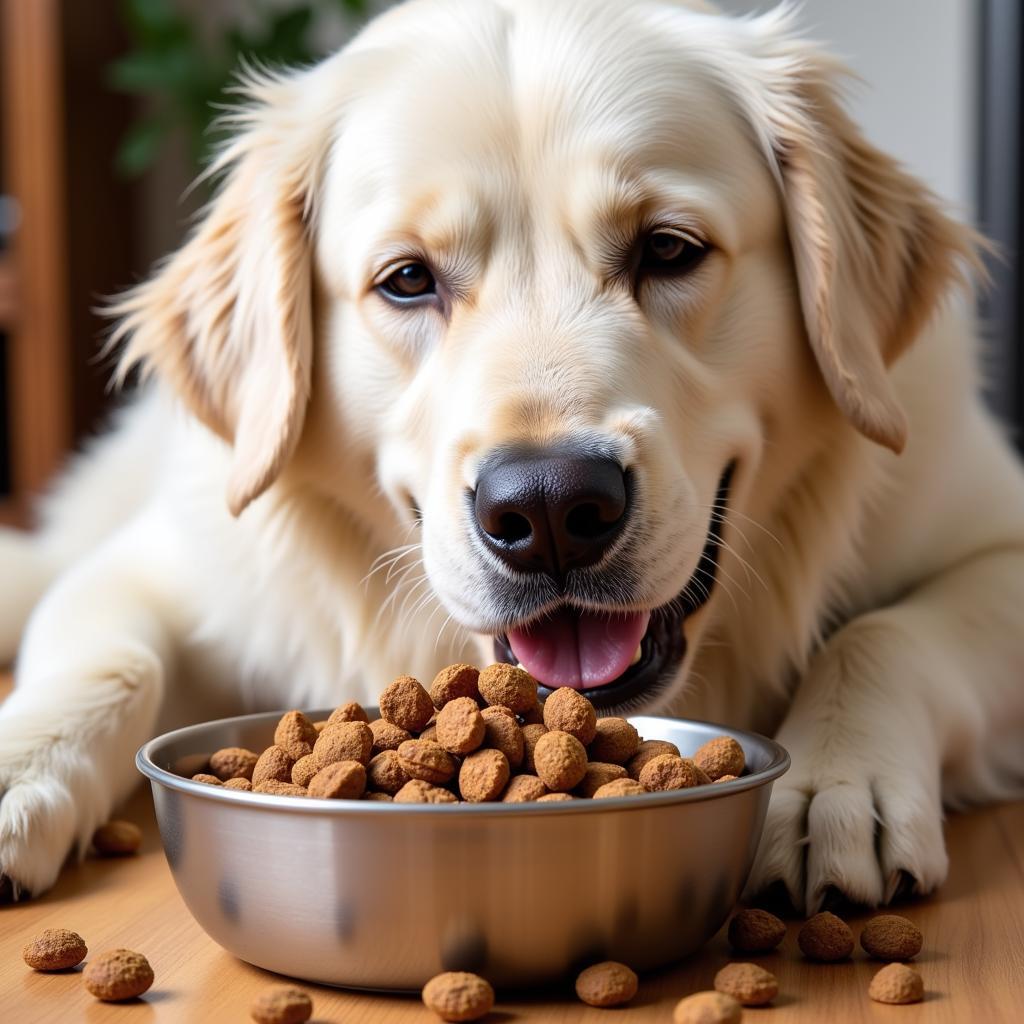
475 736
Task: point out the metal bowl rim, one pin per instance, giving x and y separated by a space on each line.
778 765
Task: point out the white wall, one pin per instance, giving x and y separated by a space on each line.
918 59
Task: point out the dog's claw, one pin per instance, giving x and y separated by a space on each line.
900 885
832 899
11 892
776 898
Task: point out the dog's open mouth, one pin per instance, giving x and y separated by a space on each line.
615 657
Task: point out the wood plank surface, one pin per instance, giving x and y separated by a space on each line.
972 962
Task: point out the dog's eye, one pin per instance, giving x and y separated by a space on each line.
665 251
410 281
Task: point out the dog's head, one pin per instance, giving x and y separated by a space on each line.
560 286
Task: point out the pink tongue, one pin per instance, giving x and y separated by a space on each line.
579 649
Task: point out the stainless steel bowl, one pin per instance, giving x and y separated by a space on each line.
384 896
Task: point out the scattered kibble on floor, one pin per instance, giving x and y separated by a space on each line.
282 1004
55 949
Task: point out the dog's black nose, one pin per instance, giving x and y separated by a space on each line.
550 511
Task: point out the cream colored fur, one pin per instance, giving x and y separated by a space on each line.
247 536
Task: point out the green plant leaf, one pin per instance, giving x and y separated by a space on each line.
138 149
357 7
185 72
144 72
154 22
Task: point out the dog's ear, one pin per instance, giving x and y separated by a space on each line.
227 320
874 252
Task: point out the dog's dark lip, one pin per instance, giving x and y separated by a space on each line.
664 644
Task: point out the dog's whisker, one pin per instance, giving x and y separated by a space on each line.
440 632
415 592
395 565
747 567
405 590
734 513
403 582
383 562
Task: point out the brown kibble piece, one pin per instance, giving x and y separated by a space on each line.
499 709
748 984
350 711
553 798
567 710
720 756
509 685
385 772
281 1005
647 751
460 726
416 791
207 779
453 682
666 771
502 732
277 788
755 931
275 763
347 741
897 984
117 839
387 736
426 760
54 949
233 763
599 774
430 733
522 789
891 937
382 797
320 726
458 996
618 788
615 741
561 761
531 733
241 784
707 1008
406 704
725 778
825 937
304 769
340 780
607 984
534 715
117 975
483 775
295 734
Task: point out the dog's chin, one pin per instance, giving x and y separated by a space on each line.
661 649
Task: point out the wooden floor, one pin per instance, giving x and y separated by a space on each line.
972 962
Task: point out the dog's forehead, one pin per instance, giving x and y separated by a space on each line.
505 96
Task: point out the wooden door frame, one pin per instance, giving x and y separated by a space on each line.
33 172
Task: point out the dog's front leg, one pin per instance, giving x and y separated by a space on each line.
904 707
89 686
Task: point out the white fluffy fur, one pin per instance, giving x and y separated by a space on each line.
236 542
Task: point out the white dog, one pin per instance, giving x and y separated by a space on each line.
591 332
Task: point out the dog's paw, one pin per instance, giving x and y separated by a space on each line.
863 837
50 803
38 826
